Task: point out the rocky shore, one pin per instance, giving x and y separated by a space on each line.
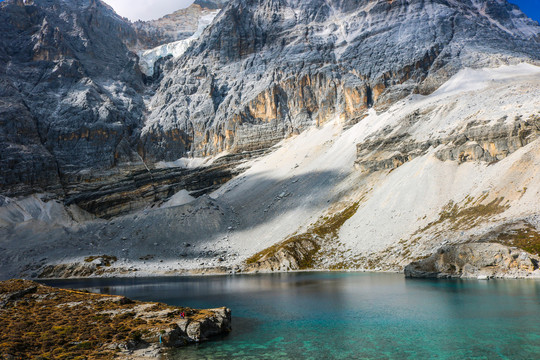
42 321
476 260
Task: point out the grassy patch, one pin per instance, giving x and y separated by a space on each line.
526 238
308 243
50 323
468 215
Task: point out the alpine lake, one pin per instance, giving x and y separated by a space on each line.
336 315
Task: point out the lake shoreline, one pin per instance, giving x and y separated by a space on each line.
64 322
366 315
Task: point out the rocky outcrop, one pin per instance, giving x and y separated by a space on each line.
476 260
103 325
295 254
124 193
489 143
302 251
475 141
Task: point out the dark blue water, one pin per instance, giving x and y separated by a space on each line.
352 315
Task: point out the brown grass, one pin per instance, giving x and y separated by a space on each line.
54 323
472 213
526 238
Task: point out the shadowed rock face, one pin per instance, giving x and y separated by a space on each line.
70 91
267 69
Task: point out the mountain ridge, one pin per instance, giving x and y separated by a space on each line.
346 134
268 25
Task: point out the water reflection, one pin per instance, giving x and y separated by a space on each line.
350 315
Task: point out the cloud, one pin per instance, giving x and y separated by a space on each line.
146 9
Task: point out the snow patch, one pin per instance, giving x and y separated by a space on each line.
187 163
149 57
477 79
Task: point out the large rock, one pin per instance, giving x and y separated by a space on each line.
475 260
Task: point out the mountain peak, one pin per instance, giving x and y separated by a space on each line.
362 53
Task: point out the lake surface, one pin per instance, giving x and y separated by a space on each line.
351 315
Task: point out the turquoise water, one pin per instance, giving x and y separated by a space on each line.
351 315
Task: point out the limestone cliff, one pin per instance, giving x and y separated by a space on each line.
268 69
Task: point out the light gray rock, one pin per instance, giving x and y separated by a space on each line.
475 260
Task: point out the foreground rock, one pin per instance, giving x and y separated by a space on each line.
476 260
43 321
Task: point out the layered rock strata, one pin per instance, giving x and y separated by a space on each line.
119 195
475 141
336 59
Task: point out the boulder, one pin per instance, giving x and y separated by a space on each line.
476 260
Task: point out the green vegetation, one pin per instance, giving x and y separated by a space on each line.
304 247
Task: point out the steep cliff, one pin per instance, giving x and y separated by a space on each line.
343 134
268 69
71 92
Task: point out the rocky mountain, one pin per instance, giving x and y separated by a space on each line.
269 69
71 92
342 134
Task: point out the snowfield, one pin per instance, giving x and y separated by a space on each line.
147 58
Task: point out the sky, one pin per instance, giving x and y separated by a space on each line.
154 9
147 9
529 7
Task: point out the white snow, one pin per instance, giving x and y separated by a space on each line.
149 57
188 163
477 79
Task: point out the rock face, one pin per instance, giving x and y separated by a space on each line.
72 92
446 152
70 89
338 58
475 141
475 260
134 190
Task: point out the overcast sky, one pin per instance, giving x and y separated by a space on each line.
154 9
147 9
